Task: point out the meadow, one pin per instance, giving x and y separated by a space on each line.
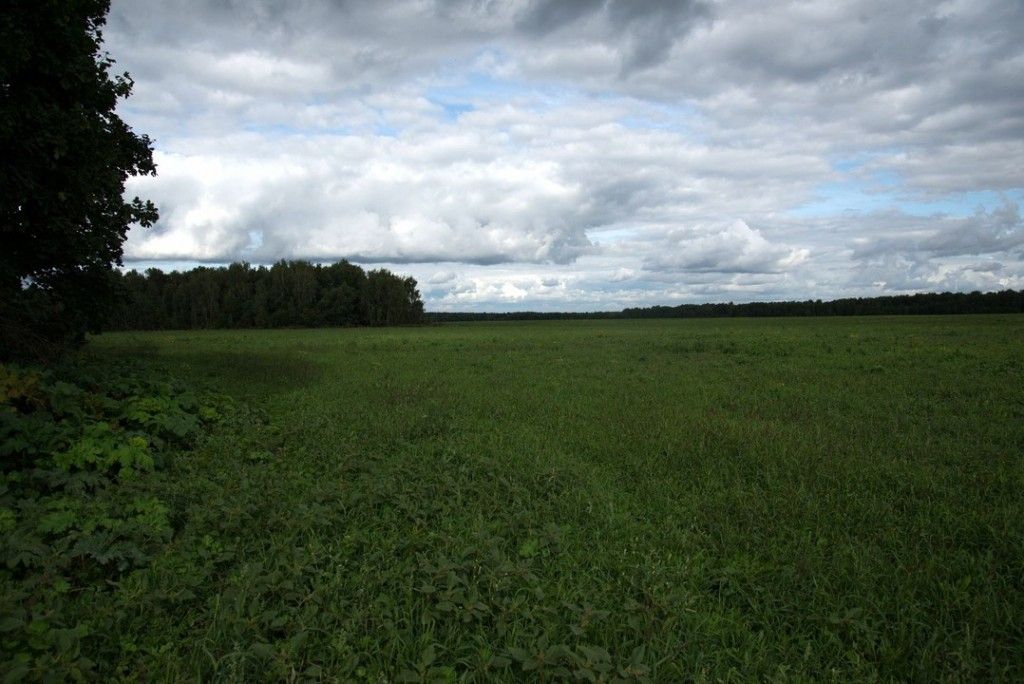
787 499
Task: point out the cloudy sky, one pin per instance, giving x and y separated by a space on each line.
587 154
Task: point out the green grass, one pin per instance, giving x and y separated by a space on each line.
822 499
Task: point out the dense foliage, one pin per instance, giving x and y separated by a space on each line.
1006 301
288 294
66 156
78 509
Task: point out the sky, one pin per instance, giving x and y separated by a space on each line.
583 155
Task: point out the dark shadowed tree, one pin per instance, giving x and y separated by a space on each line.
66 156
289 293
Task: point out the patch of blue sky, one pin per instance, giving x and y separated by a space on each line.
856 160
849 164
880 190
455 100
471 89
843 197
475 87
881 193
463 89
885 178
255 239
610 235
676 118
452 110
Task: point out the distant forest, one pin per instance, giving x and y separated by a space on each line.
287 294
302 294
1006 301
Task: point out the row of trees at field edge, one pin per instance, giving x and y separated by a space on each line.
1006 301
302 294
287 294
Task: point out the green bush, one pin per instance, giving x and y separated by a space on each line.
72 445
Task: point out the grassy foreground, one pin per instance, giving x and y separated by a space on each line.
665 500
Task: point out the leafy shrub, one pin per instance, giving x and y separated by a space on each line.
71 446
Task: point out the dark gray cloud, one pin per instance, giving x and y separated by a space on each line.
643 31
986 232
653 28
543 17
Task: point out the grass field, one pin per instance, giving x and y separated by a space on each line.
666 500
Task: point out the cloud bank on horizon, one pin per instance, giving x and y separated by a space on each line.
587 154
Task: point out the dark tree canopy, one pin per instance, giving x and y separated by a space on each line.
288 294
66 156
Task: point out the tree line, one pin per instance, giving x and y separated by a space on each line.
287 294
1005 301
